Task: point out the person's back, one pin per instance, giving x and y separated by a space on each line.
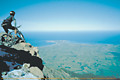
9 19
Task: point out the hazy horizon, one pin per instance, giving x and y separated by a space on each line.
64 15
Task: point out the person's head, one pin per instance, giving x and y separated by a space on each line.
12 13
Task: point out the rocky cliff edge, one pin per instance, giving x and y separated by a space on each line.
22 61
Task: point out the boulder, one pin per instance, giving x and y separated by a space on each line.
27 47
19 75
26 72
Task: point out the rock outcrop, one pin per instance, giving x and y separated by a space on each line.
27 47
19 74
18 60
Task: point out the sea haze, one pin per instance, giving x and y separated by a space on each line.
91 37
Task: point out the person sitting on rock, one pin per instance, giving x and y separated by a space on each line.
6 24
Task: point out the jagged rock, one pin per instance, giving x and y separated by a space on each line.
23 54
10 57
27 47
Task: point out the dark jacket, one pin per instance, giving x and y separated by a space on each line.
8 20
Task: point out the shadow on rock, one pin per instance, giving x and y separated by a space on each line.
11 58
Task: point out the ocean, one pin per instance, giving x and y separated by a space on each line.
91 37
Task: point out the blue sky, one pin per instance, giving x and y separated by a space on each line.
63 15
